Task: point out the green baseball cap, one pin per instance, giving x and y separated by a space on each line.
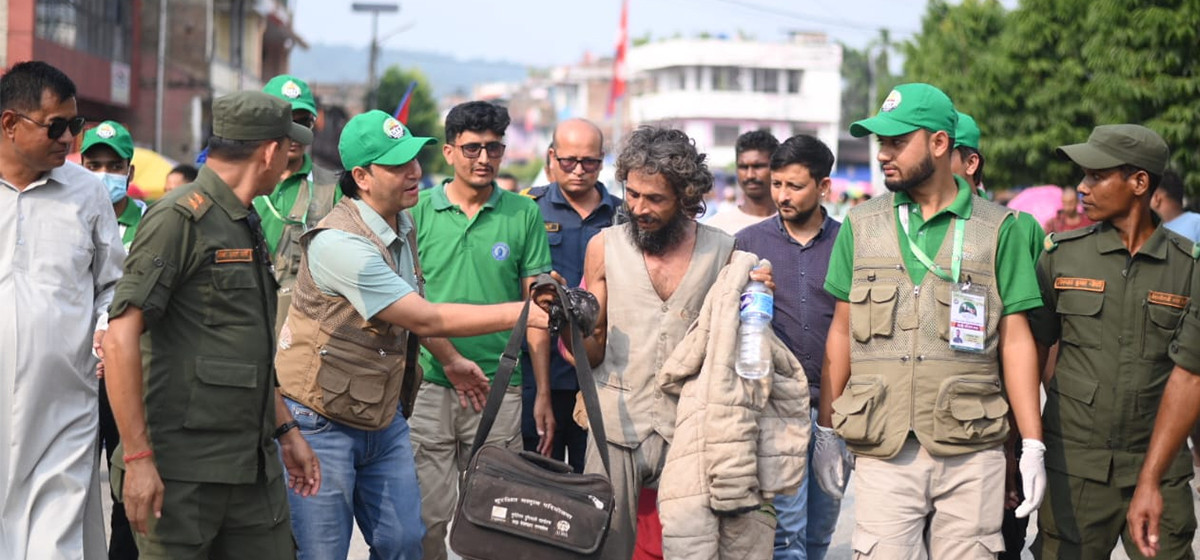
294 91
111 134
254 115
907 108
1113 145
377 137
966 133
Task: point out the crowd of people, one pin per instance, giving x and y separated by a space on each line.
285 351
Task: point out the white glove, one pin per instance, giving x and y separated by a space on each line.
1033 475
832 462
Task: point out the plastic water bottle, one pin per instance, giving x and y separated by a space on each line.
756 309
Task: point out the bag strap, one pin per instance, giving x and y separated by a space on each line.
583 372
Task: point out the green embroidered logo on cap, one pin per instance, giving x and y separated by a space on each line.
290 90
106 130
892 101
393 129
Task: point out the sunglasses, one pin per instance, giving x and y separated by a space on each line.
58 125
590 165
472 150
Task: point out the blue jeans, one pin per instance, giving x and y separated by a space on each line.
807 518
368 476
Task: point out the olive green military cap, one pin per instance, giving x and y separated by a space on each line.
1114 145
111 134
254 115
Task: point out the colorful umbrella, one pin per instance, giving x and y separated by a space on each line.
1043 202
150 170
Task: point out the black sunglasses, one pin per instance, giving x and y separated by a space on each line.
471 150
590 165
58 125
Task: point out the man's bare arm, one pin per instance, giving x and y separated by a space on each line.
414 313
1022 381
597 284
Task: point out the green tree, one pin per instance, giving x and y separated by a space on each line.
423 116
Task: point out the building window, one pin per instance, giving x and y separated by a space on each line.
726 78
725 134
793 83
766 80
100 27
672 79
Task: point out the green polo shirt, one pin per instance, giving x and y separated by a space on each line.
479 260
274 207
129 220
1015 266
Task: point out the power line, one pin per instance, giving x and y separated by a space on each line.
832 22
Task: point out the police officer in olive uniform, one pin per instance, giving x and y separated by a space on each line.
191 324
1116 293
305 194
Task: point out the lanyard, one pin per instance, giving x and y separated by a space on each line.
955 257
307 182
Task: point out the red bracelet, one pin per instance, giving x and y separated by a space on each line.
138 455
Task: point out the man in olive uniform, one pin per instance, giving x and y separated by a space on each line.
1116 293
194 312
306 193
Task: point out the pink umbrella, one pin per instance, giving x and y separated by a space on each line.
1043 202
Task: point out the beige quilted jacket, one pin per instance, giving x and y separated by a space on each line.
737 442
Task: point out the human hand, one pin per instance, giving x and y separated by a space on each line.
303 467
469 381
832 462
543 417
1012 496
1033 474
142 494
1145 511
538 318
762 273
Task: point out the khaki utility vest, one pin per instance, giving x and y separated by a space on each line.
904 377
330 359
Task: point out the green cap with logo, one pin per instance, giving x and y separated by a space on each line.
1114 145
377 137
111 134
254 115
967 132
907 108
294 91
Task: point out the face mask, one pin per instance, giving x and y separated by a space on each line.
118 185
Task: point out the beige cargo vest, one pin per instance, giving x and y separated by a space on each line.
330 359
643 330
904 377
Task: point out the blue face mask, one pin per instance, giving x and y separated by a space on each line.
118 185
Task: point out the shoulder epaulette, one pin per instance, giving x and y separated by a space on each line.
1053 239
194 204
535 192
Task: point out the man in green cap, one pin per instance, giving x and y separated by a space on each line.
924 411
1118 304
357 299
305 194
189 357
107 151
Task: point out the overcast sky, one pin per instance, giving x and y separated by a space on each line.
554 32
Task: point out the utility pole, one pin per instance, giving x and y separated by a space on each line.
374 9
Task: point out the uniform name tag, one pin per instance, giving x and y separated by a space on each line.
552 227
1085 284
235 256
968 318
1170 300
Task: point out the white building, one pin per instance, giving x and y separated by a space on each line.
717 89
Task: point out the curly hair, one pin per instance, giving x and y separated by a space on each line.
668 152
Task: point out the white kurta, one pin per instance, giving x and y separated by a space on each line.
60 258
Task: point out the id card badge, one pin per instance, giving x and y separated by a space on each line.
968 318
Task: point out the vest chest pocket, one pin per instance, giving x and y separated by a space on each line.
1160 324
854 413
1080 313
223 398
353 382
970 409
941 292
872 311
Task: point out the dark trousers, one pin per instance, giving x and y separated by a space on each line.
570 440
1013 529
121 545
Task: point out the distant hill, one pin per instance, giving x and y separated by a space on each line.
336 63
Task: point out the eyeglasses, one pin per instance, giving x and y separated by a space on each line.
58 125
472 150
590 165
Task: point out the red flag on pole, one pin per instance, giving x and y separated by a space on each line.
618 80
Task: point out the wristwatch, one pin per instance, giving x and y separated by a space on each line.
284 427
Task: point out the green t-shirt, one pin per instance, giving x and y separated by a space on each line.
481 260
1016 278
129 220
274 208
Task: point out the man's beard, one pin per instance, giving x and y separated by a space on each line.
801 216
922 173
662 240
